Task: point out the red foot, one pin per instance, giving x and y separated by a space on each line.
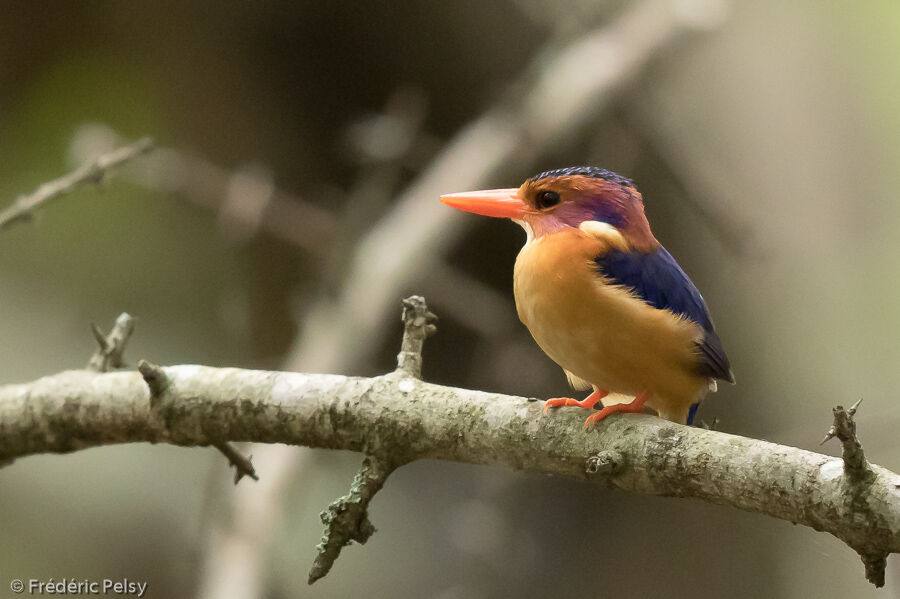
588 402
635 407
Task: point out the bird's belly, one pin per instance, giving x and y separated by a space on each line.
600 333
587 351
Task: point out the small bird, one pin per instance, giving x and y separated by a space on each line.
603 298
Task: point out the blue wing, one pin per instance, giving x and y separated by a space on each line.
657 279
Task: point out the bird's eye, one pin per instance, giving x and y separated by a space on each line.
547 199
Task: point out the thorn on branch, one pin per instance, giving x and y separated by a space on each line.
844 428
22 209
242 464
347 519
418 325
112 346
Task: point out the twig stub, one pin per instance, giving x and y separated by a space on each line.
346 519
112 346
243 466
418 325
155 378
844 428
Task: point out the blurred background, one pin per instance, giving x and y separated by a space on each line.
292 202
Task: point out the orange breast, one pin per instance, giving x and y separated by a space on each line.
601 332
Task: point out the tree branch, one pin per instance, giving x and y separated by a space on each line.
399 419
346 519
162 401
109 356
93 172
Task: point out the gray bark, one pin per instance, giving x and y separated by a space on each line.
399 416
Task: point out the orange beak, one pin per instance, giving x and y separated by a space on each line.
502 203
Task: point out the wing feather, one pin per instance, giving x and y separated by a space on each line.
657 279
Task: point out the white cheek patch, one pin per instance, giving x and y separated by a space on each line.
598 229
529 232
605 232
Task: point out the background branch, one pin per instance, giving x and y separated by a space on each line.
23 207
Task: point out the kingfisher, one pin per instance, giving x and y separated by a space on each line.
603 298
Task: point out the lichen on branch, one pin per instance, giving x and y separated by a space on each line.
346 519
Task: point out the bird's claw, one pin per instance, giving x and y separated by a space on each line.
636 406
588 402
556 402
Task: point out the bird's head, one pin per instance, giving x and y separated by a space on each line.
561 198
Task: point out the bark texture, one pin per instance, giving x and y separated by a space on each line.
400 416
